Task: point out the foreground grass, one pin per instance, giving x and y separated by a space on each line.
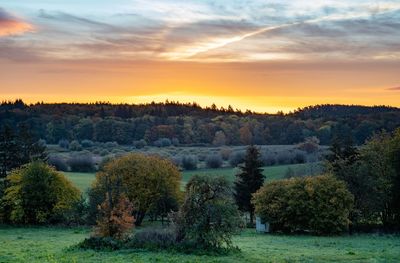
40 244
84 180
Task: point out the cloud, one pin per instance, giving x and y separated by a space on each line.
394 88
358 33
11 50
219 31
10 25
73 19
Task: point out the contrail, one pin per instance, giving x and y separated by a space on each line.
191 51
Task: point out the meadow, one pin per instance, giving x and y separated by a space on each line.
52 244
84 180
58 244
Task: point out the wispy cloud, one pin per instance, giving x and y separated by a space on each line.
394 88
10 25
352 24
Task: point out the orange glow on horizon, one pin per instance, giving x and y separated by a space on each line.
261 87
260 104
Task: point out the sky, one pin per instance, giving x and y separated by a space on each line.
259 55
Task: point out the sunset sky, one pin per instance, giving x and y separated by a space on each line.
259 55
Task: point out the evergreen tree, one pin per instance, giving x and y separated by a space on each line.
249 180
342 151
30 149
18 149
8 151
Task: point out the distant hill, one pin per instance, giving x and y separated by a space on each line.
339 110
189 124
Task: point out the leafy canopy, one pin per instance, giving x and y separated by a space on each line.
208 217
320 204
147 181
37 193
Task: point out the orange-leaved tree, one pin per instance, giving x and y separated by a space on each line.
149 182
116 219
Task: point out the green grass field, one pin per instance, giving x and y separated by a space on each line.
41 244
84 180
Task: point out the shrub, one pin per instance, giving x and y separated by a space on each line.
42 143
2 188
189 162
177 160
86 143
118 152
208 217
268 158
75 146
96 150
201 157
78 214
237 158
104 152
63 143
115 220
148 238
163 142
310 145
319 204
214 161
153 238
111 144
283 158
299 157
141 178
58 163
225 153
140 144
38 194
101 243
175 142
83 164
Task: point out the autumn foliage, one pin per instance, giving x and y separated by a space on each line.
319 204
38 194
148 181
115 220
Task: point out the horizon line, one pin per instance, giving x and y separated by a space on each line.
193 103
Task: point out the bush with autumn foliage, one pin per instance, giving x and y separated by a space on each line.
319 204
151 183
116 219
36 194
206 221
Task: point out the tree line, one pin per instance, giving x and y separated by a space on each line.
188 124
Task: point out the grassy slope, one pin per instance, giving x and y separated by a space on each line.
271 172
83 180
53 245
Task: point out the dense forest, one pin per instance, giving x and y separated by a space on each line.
190 124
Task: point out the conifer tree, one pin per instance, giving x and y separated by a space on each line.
249 180
30 149
8 150
19 148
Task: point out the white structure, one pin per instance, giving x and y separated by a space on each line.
262 227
